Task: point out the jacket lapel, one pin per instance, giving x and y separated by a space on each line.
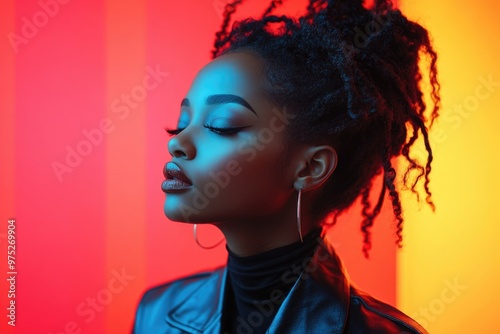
200 311
317 303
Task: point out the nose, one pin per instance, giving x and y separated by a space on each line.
180 146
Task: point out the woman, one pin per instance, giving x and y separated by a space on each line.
285 127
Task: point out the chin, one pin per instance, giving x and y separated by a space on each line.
181 214
176 216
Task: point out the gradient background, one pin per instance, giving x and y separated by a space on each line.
64 72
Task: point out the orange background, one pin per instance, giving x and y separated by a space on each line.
91 237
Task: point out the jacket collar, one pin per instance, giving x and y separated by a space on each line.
322 289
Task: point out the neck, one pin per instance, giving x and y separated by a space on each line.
246 237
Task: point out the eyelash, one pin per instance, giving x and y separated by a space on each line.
221 131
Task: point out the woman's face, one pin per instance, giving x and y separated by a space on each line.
233 174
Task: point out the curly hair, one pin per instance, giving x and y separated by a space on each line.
351 75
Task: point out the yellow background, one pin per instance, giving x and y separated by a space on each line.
449 268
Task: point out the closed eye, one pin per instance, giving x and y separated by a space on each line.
225 131
221 131
173 132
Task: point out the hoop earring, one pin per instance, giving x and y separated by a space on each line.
299 225
195 233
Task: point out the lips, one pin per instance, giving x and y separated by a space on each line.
172 171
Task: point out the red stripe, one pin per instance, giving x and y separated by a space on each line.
59 98
125 158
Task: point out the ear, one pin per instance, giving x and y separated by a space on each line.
316 165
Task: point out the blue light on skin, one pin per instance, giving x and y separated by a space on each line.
235 186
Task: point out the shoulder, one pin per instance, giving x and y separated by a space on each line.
176 288
159 300
369 313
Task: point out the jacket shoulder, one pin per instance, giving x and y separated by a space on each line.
378 317
159 300
171 289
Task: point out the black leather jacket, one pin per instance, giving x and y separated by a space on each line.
323 300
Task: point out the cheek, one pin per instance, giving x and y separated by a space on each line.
234 179
250 161
258 180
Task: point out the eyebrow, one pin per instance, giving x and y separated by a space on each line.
221 99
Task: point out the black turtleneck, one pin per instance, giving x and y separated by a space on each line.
258 284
